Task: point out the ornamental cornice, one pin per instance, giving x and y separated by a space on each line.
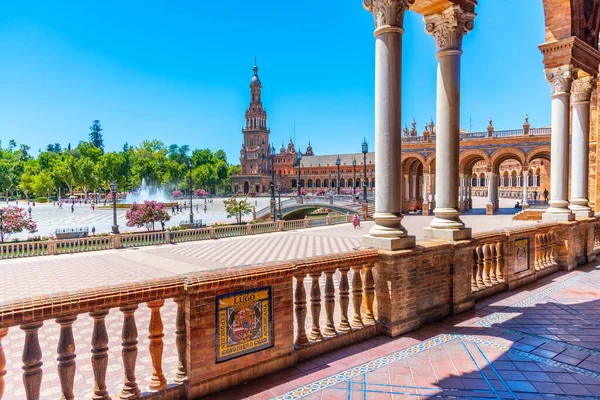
449 27
561 78
388 14
582 88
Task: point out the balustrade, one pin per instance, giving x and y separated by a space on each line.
79 245
545 250
142 239
190 235
20 250
488 265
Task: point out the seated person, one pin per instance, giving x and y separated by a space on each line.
518 205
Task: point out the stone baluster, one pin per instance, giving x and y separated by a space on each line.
487 265
129 351
181 375
499 261
538 252
357 295
369 289
546 241
66 357
479 278
32 361
315 307
300 309
155 334
99 355
493 264
344 289
552 238
329 330
474 287
3 333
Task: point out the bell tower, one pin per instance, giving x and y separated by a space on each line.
254 157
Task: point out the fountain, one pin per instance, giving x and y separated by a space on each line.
146 192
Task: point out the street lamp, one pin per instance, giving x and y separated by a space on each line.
365 150
298 183
338 162
191 166
272 150
354 180
279 195
2 225
113 189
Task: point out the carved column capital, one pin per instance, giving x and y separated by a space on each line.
449 27
388 14
582 88
561 78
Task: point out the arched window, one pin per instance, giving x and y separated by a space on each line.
294 183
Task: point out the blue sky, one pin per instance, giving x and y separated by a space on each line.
179 71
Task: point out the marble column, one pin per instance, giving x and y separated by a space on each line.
560 79
448 28
425 188
388 232
524 201
406 188
490 181
580 146
414 186
432 187
461 189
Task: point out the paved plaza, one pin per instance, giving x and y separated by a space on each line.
539 342
51 274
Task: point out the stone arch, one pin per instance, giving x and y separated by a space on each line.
318 183
468 158
538 152
429 164
501 155
246 187
310 183
409 160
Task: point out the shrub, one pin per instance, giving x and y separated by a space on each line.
41 200
147 214
177 194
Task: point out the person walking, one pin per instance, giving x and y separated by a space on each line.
535 196
93 231
546 195
29 211
72 208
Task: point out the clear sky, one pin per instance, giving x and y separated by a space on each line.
179 71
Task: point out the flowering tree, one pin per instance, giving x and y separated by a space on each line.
320 192
118 195
200 193
237 209
15 220
176 194
147 214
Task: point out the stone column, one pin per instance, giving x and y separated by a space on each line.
432 187
448 29
388 232
580 146
425 206
406 188
469 186
414 186
524 201
461 197
491 203
560 79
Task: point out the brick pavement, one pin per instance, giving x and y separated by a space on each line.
28 277
540 342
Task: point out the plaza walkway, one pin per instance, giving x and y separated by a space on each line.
53 274
539 342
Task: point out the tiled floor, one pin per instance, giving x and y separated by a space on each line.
539 342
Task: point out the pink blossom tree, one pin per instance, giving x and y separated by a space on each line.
15 220
200 193
176 194
320 192
146 214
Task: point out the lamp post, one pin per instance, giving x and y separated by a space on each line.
298 183
272 150
330 185
365 150
354 179
338 162
279 196
2 225
113 189
191 166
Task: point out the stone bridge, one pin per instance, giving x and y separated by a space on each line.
298 208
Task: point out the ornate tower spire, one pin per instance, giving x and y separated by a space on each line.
256 116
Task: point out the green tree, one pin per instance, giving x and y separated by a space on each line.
85 174
43 184
65 172
237 208
111 167
96 135
88 150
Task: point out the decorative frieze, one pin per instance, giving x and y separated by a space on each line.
388 14
449 27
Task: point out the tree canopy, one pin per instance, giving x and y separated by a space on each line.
87 167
